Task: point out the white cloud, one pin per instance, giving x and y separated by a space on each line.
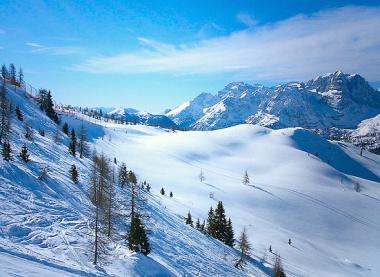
53 50
297 48
246 19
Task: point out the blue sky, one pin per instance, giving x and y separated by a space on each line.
153 55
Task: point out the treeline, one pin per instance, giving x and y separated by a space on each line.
11 75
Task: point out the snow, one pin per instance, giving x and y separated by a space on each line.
302 187
44 224
332 100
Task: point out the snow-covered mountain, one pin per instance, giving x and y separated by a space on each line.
135 116
333 100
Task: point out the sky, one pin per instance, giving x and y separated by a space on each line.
153 55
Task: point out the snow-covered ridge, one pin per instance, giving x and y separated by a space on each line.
332 100
136 116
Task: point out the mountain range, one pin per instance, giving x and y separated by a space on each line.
333 100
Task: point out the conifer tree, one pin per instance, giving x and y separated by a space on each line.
20 80
99 181
210 223
57 136
5 121
278 270
220 223
74 174
19 114
201 176
12 74
137 237
244 248
246 180
29 132
6 151
198 224
132 187
229 240
24 155
189 220
171 194
83 147
123 175
73 143
148 187
162 191
65 129
4 72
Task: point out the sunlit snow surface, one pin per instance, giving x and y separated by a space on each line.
302 187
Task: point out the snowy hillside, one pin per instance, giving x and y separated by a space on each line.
333 100
45 220
302 187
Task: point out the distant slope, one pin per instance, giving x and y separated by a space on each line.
138 117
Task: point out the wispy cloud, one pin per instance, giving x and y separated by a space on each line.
246 19
35 47
297 48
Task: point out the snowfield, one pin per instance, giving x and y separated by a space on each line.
302 188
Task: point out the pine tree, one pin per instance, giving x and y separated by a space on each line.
83 147
74 174
246 180
24 154
4 72
20 77
12 74
57 136
132 187
220 223
171 194
5 114
148 187
73 143
65 129
198 224
19 114
201 176
244 248
278 270
114 161
189 220
6 151
229 240
137 237
162 191
29 132
123 175
210 223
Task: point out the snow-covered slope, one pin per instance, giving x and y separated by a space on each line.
333 100
302 187
44 224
